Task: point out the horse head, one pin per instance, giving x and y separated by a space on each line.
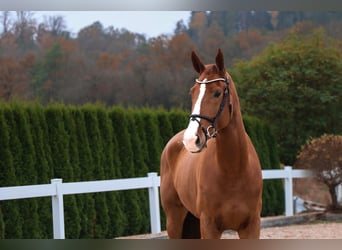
211 103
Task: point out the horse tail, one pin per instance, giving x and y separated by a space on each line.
191 227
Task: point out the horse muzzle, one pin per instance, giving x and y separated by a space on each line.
194 143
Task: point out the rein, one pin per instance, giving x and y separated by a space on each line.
210 131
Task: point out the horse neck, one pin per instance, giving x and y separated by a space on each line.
232 145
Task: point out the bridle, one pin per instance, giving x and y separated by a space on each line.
210 131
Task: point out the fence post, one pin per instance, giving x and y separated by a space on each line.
58 211
339 194
288 191
153 195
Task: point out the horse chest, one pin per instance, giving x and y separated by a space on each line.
229 209
221 192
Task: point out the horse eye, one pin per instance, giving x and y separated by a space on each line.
217 93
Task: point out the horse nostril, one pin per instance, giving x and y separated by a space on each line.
198 141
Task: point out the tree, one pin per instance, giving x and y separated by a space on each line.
179 120
14 76
323 155
265 145
46 73
56 25
38 127
153 139
248 39
141 222
57 119
214 38
25 170
296 86
227 20
101 222
180 27
85 202
2 225
25 29
197 26
92 39
165 126
72 217
287 19
5 21
111 163
12 221
121 125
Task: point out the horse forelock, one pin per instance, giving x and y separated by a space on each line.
210 71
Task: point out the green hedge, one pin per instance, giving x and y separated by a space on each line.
93 142
266 147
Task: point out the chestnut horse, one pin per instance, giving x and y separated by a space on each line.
210 173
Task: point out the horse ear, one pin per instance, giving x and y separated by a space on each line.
196 62
220 62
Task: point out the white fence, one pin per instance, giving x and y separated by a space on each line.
57 189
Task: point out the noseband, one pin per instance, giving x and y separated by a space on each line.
210 131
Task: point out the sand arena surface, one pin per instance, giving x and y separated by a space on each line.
315 230
302 226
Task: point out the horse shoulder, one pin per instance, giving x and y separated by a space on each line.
172 150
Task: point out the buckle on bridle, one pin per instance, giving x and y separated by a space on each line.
211 131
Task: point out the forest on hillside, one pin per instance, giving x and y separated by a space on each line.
45 62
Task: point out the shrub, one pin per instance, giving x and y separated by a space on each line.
323 155
265 145
93 142
295 85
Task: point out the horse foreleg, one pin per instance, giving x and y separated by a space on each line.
251 230
210 228
174 209
174 221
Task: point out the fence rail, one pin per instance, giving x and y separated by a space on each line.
57 189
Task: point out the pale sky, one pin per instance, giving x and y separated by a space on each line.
149 23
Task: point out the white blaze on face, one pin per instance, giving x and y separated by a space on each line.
190 134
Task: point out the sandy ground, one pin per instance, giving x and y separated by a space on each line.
313 230
308 189
325 230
